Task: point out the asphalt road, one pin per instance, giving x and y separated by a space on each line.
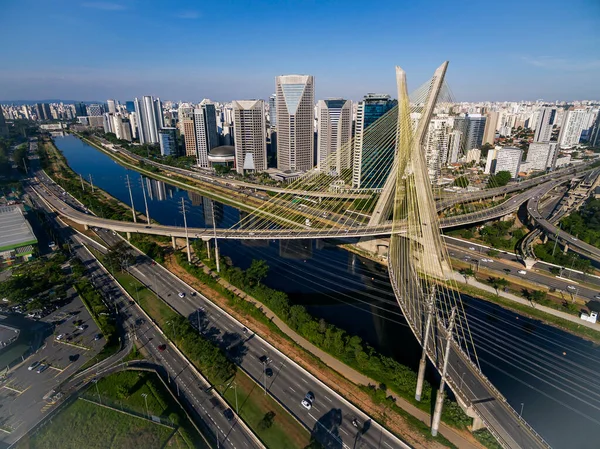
22 392
189 386
330 417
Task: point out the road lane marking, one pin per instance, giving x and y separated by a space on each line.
327 398
342 429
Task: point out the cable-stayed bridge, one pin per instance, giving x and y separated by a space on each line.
393 196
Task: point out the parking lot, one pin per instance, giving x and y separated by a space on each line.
22 392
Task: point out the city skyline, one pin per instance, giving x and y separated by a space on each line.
495 55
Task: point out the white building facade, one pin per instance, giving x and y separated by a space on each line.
250 126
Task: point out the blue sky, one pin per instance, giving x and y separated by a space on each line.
233 49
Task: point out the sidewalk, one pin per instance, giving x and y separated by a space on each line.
557 313
349 373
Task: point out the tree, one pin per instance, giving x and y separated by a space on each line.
493 252
119 256
538 296
497 283
467 273
500 179
19 156
257 272
267 420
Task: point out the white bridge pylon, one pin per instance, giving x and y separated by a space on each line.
424 283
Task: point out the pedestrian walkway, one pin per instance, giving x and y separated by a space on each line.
549 310
349 373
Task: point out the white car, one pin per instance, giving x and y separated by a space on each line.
306 404
522 272
34 365
60 337
571 287
181 295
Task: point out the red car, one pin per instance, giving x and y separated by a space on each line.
153 262
162 347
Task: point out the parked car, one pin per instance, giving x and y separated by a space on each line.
60 337
97 337
34 365
42 368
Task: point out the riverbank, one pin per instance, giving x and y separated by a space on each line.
416 428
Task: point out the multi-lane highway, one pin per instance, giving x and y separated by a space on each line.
330 417
191 388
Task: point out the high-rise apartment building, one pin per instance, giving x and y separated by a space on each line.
250 130
543 126
205 129
150 118
334 133
167 138
436 146
121 127
595 134
112 106
3 126
185 111
491 122
295 117
189 137
107 123
130 106
542 155
43 112
472 127
94 110
454 153
372 157
508 159
574 124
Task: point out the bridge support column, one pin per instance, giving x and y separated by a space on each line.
566 249
217 256
423 361
128 235
439 399
208 248
86 227
173 242
545 239
529 262
477 424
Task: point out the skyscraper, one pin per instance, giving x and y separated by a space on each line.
205 127
150 118
574 124
543 127
295 117
273 111
42 110
491 123
112 106
508 159
3 127
542 155
80 110
334 132
249 126
372 160
595 135
436 146
454 139
472 127
189 137
168 141
94 110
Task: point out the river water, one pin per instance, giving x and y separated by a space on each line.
551 375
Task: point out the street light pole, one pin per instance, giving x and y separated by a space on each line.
91 182
97 390
145 396
187 239
237 410
522 405
215 235
145 200
131 198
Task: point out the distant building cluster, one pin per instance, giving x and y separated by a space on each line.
290 133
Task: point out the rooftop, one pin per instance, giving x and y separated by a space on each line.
15 231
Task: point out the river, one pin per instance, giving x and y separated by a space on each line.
551 375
